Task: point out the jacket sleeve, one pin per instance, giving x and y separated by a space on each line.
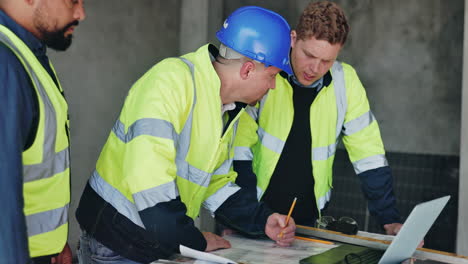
16 119
361 137
377 186
246 178
168 220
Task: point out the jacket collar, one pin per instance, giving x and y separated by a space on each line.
34 44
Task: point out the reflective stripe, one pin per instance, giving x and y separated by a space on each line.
159 194
200 177
46 221
259 193
340 94
50 116
115 198
261 105
323 200
49 167
243 153
271 142
267 140
358 124
192 174
145 126
369 163
184 169
323 153
252 111
224 168
220 196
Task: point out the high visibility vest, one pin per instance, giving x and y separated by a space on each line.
340 110
46 164
168 141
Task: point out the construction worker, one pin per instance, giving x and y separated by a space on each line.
34 139
170 151
286 148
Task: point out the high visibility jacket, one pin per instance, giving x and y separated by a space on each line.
340 109
46 169
169 141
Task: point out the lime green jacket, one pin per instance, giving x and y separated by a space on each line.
168 142
340 109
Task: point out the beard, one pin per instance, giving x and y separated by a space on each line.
56 39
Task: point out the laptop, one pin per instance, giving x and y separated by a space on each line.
402 247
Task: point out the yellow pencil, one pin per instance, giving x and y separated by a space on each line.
314 240
289 215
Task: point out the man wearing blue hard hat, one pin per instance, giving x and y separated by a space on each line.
170 151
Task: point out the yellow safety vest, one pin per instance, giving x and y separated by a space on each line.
46 168
340 109
169 141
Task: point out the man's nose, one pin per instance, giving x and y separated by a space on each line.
314 66
80 13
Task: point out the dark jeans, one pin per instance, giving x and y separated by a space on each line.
91 251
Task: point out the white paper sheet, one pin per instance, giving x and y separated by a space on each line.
203 256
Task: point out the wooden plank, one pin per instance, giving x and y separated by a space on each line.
421 253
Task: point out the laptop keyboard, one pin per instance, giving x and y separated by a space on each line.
365 257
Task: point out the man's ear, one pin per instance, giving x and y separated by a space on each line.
247 69
293 38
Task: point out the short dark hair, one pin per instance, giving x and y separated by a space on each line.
323 20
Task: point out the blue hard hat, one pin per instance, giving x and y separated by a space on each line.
259 34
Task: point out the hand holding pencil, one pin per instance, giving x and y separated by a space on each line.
289 215
281 228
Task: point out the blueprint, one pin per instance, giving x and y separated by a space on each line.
259 251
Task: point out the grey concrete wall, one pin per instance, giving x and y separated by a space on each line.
408 56
117 43
193 25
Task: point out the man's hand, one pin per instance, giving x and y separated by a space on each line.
275 224
214 242
64 257
393 229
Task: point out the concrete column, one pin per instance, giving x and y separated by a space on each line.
462 232
193 25
216 18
